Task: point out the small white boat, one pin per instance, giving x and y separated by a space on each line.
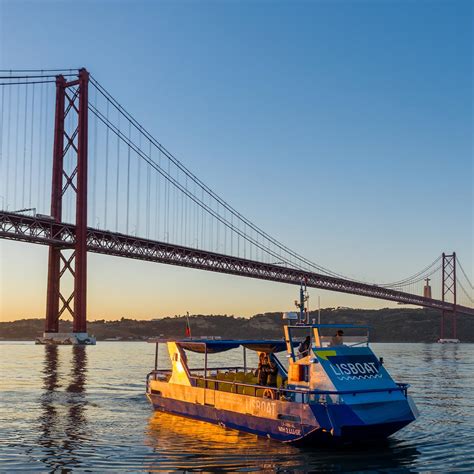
448 341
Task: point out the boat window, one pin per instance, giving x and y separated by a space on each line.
348 336
301 340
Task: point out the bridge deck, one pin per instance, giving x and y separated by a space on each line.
48 232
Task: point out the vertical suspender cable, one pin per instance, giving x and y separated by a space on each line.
128 179
174 220
218 226
30 183
174 216
17 133
40 153
137 227
106 190
202 221
168 218
256 250
23 176
195 220
211 231
181 212
186 216
45 149
232 235
117 178
157 201
225 235
95 160
148 177
8 158
167 208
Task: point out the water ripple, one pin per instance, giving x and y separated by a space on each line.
83 409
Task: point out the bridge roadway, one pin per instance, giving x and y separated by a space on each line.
45 231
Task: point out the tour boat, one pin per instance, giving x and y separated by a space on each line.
330 391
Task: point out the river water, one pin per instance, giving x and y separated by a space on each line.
84 409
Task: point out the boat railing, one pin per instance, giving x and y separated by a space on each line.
302 395
220 369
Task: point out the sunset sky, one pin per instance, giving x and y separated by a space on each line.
344 129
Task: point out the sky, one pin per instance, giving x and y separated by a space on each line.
344 129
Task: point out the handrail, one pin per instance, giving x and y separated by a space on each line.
401 387
218 368
209 369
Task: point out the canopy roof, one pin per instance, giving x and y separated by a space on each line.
212 346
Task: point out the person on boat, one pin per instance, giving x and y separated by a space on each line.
337 339
272 372
262 369
303 348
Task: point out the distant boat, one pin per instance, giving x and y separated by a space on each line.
66 339
448 341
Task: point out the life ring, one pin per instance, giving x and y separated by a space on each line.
268 393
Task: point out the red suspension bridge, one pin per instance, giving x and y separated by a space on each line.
116 190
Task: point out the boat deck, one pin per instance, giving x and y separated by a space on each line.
230 379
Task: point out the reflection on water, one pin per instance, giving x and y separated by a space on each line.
84 409
210 447
62 423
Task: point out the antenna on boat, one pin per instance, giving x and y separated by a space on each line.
304 297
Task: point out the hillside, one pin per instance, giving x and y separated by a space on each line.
387 325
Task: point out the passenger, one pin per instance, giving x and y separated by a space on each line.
262 369
337 339
303 349
272 372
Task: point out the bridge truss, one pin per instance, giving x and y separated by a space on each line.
47 232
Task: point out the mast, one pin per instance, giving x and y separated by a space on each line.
303 313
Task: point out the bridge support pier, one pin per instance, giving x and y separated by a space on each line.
448 291
71 99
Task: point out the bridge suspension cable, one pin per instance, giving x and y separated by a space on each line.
419 276
137 186
464 273
298 260
463 282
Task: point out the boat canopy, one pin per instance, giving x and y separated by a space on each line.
213 346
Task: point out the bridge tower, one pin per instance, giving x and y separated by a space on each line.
448 292
69 261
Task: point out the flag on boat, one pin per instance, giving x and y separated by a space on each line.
188 327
